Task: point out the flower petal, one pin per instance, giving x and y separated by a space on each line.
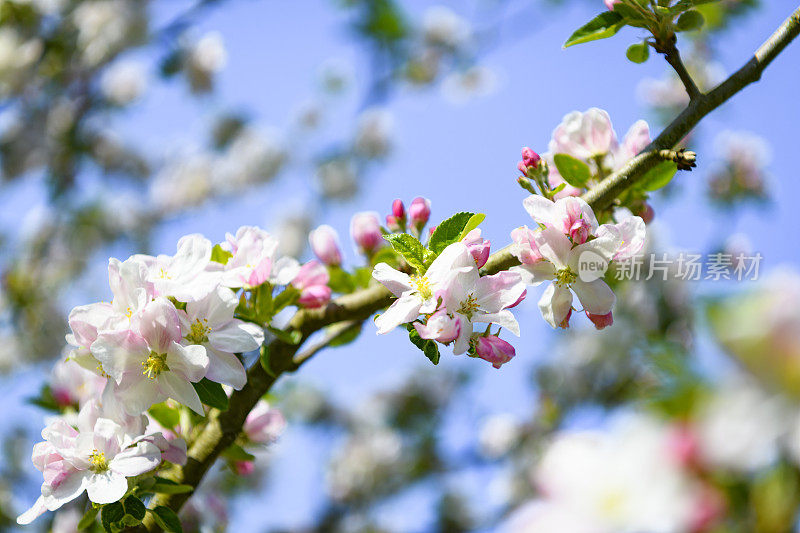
404 309
107 487
596 297
555 304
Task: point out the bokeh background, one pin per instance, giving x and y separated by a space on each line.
125 125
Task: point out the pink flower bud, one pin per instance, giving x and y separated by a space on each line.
610 4
579 231
366 232
683 445
392 223
315 296
601 321
522 168
478 247
529 159
244 468
495 350
324 243
419 212
264 424
398 209
440 327
310 274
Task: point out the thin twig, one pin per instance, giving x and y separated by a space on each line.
673 57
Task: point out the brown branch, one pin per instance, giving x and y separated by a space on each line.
222 428
673 57
604 194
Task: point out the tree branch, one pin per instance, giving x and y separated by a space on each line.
222 428
604 194
673 57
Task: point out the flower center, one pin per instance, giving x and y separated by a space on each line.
164 274
156 364
423 286
469 306
98 462
198 332
565 277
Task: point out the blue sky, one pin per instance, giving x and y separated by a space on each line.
462 157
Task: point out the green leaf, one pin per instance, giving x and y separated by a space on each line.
168 417
264 304
111 515
638 53
659 176
88 518
211 394
473 223
234 452
574 171
690 20
604 25
135 508
448 231
218 255
167 519
428 347
289 337
409 247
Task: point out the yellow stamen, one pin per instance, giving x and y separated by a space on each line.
98 462
199 330
156 364
423 286
469 306
565 277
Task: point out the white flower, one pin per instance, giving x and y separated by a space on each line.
561 265
472 298
210 322
183 275
420 293
150 366
209 54
254 260
97 461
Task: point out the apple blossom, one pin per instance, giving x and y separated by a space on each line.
151 366
264 424
312 281
98 461
494 350
366 232
419 293
324 243
584 135
253 260
183 275
636 140
209 322
571 215
561 264
632 231
472 298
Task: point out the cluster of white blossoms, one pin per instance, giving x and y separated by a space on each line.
570 248
169 325
453 297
